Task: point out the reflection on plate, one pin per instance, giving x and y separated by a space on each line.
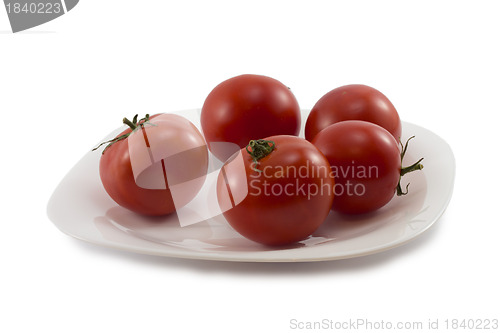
81 208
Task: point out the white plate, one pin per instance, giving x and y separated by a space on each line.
81 208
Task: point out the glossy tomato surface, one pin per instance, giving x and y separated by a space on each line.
247 107
159 167
365 162
280 200
353 102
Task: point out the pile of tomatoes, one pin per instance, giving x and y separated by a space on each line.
274 187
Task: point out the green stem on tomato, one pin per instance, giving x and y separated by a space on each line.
259 149
414 167
134 124
131 124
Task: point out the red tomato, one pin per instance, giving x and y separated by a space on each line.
246 107
157 165
353 102
366 164
276 191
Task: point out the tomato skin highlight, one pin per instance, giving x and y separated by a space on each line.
284 202
353 102
246 107
140 184
366 163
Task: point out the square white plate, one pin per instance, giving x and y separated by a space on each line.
81 208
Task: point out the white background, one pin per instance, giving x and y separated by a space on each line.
66 84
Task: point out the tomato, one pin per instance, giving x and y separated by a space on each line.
353 102
246 107
157 165
276 191
366 164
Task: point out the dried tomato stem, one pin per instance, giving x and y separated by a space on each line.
414 167
133 126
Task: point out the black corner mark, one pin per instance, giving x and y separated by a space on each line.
26 14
